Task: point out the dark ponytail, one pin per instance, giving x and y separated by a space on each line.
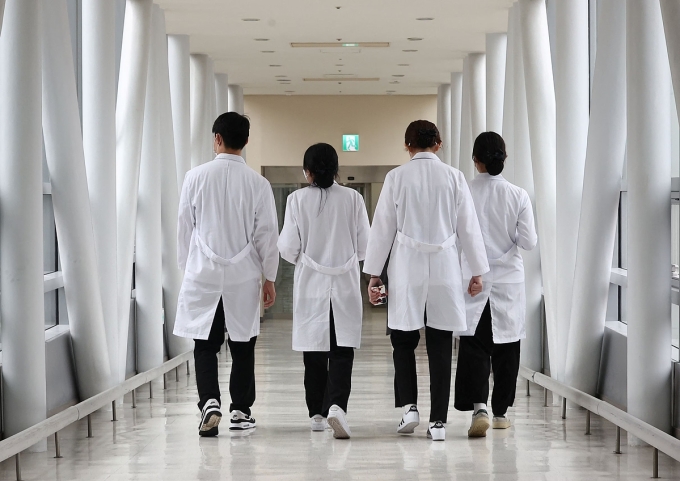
489 149
321 160
422 134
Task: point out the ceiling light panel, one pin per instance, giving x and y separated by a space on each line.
340 44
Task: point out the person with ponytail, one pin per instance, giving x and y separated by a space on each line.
495 317
325 234
425 214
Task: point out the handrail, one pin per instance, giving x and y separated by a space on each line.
653 436
28 437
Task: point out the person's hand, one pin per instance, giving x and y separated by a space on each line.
374 296
475 286
268 294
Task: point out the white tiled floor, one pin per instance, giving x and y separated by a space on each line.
158 440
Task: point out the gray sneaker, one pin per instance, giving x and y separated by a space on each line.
480 424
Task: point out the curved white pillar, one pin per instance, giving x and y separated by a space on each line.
444 121
171 275
600 201
509 95
70 198
200 99
496 49
134 65
21 214
99 144
649 211
538 79
477 64
532 347
180 92
148 265
221 93
572 100
236 99
670 10
465 157
456 109
211 111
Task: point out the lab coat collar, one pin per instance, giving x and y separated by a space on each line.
487 176
235 158
425 155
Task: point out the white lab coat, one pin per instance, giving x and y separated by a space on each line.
507 222
424 210
325 235
227 232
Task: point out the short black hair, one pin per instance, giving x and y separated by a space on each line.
321 160
234 129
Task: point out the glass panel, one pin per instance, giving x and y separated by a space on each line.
49 236
51 309
675 317
675 239
623 230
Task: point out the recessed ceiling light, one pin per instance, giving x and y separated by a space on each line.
399 75
425 19
409 51
262 40
267 51
250 19
275 65
339 64
279 76
414 39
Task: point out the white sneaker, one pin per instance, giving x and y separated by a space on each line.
318 423
409 421
480 424
241 422
501 422
436 431
210 419
338 423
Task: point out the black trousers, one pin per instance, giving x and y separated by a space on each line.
328 376
476 356
439 354
242 379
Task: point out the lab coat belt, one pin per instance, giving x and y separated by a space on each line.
424 247
208 252
504 258
331 271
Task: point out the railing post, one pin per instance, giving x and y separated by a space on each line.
618 440
187 368
564 408
528 389
150 389
177 374
655 464
545 397
113 411
89 426
165 381
17 461
587 423
134 398
57 447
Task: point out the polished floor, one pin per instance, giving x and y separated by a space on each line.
158 440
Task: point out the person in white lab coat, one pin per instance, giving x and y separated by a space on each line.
325 234
227 232
495 317
425 212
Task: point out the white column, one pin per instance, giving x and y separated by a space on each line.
649 211
236 99
496 49
465 157
444 121
456 109
200 98
148 265
532 347
134 65
221 93
509 95
477 63
178 63
72 213
671 19
21 229
572 99
211 111
99 144
540 91
172 276
600 201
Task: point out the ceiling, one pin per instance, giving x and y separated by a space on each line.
217 28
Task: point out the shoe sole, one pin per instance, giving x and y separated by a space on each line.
242 427
478 428
501 425
318 429
209 428
339 431
436 437
408 428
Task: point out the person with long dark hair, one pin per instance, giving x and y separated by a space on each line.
325 234
496 316
425 214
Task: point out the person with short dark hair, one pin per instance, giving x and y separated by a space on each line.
495 317
325 234
227 232
425 214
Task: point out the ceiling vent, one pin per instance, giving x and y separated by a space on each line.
342 79
340 44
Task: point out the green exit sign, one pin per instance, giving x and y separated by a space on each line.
350 143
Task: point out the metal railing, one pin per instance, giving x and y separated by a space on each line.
656 438
14 445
